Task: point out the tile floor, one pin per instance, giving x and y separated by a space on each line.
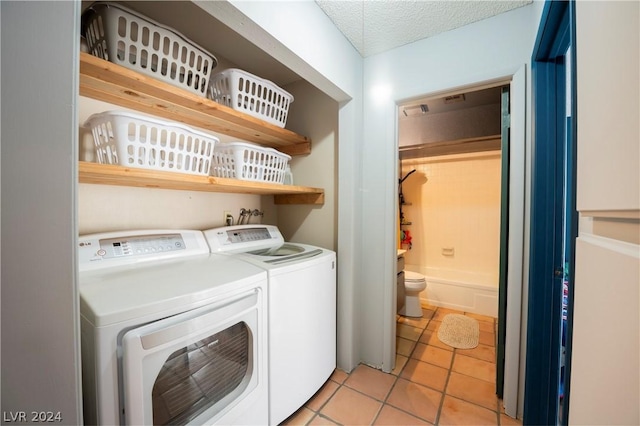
432 383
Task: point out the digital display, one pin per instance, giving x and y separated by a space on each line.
142 245
245 235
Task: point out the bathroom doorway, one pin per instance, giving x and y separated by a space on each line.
458 136
450 198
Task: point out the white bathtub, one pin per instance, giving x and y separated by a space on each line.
460 290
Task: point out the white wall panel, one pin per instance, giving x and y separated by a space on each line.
605 368
605 364
608 42
40 321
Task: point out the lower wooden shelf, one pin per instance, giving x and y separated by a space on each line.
105 174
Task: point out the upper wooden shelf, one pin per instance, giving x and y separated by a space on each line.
109 82
106 174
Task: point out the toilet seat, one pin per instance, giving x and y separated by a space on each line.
415 285
414 279
413 276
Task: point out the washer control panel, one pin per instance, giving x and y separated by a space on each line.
244 235
242 238
139 246
115 249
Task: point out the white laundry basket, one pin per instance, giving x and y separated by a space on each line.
247 161
127 38
134 140
253 95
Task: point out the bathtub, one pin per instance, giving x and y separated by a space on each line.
460 290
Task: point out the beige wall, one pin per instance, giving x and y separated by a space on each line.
316 118
455 204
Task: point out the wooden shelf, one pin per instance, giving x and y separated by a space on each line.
124 176
109 82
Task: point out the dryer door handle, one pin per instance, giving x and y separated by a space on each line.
185 326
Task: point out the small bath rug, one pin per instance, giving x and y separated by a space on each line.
459 331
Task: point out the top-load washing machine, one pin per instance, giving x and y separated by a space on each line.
302 310
171 334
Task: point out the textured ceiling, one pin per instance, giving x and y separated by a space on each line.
375 26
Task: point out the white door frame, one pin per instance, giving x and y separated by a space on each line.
517 193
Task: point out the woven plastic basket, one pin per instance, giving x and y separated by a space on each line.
246 161
253 95
135 140
127 38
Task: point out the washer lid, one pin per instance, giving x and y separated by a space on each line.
160 289
283 250
309 257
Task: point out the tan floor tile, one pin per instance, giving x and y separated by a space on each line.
433 355
300 417
321 420
430 337
433 325
486 326
371 382
392 416
415 399
509 421
401 361
318 400
404 346
428 312
420 323
483 318
458 412
473 367
408 332
483 352
473 390
426 305
442 312
425 374
340 407
339 376
487 338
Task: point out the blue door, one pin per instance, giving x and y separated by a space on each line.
553 218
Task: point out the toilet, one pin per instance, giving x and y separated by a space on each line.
414 283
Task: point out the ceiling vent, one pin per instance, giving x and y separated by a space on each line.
454 99
415 110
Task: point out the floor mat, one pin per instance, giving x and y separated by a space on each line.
459 331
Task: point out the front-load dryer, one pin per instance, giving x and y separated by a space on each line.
302 310
171 334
